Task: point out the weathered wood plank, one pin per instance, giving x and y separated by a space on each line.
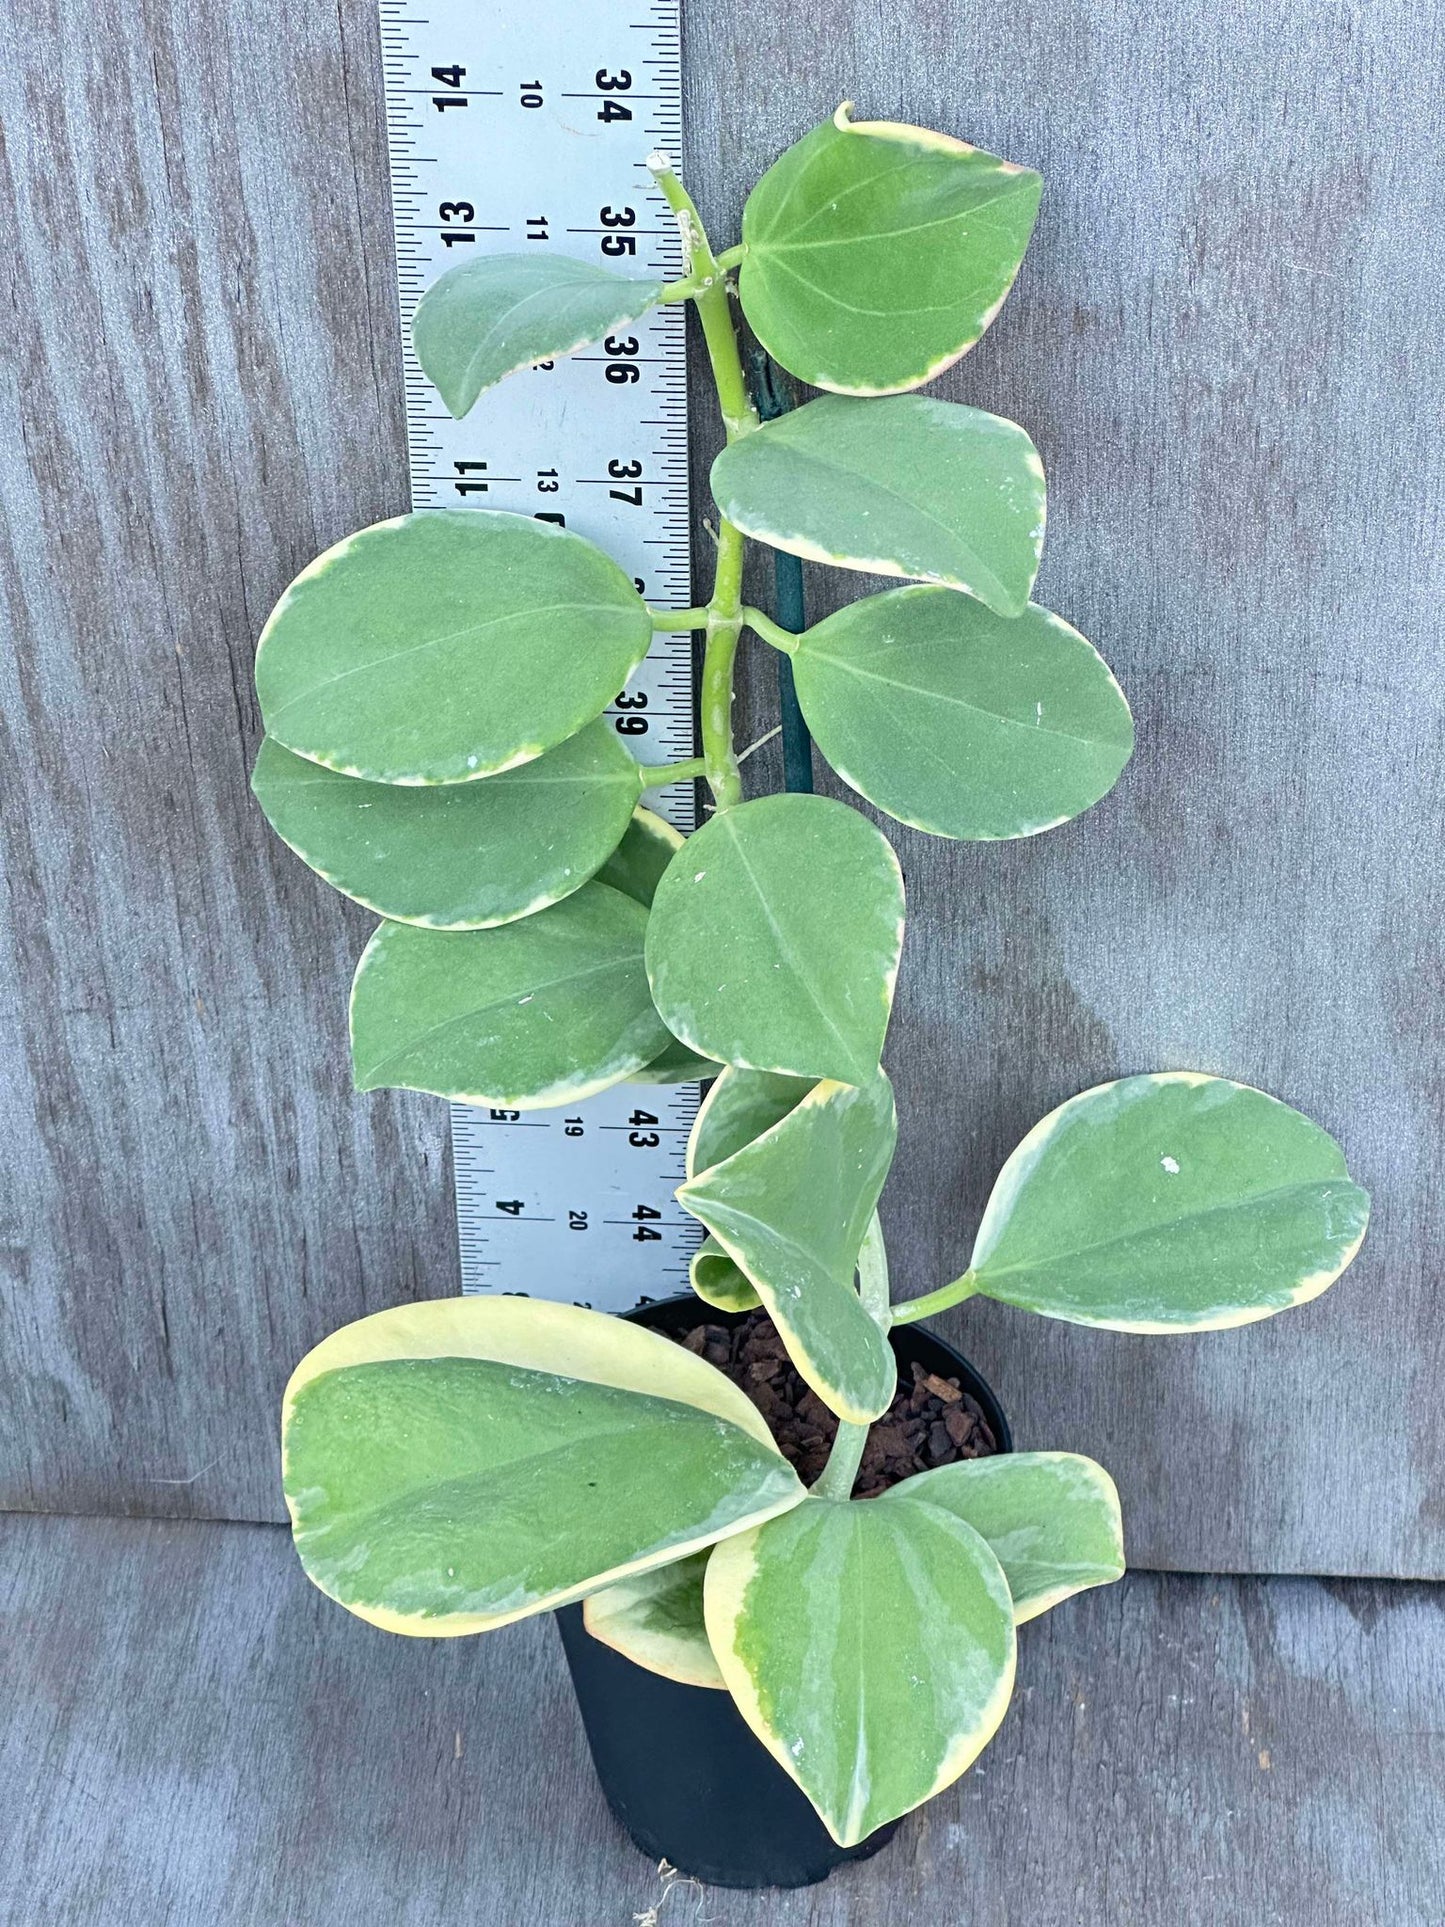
1182 1750
1226 341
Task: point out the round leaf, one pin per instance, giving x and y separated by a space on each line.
1175 1202
456 856
958 721
775 938
790 1209
718 1281
531 1014
876 253
492 316
740 1106
445 646
454 1465
1051 1519
655 1620
870 1647
906 486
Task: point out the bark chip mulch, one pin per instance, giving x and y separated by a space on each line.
930 1422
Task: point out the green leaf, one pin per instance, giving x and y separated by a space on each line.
655 1620
535 1013
717 1280
676 1065
635 867
446 646
740 1106
790 1209
1051 1518
775 938
454 1465
870 1647
1175 1202
877 253
958 721
457 856
485 320
908 486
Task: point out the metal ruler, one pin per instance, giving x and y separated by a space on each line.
513 127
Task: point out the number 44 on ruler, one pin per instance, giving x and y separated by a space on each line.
513 128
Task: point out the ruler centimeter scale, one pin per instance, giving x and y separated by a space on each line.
513 128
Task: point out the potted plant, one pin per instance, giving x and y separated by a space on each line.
434 691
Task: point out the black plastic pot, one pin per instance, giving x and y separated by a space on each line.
680 1769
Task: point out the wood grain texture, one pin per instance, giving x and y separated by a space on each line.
1226 340
1182 1751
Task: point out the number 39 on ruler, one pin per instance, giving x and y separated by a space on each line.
517 126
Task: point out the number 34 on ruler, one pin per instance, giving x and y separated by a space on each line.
512 128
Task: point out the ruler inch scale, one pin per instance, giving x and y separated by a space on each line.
513 128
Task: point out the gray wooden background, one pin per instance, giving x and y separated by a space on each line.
1226 341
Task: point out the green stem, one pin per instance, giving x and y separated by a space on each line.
770 631
711 295
731 257
657 776
725 606
837 1477
934 1302
671 622
724 626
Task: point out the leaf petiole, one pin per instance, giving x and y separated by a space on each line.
657 776
771 632
671 622
934 1302
837 1477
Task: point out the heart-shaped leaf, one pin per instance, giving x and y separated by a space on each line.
457 856
531 1014
775 938
445 646
718 1281
487 319
790 1209
454 1465
877 253
907 486
655 1620
959 721
740 1106
870 1647
1173 1202
1051 1519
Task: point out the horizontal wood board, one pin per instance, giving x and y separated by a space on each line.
1180 1750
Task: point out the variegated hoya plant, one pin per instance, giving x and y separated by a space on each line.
435 692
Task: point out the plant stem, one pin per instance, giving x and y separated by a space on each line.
934 1302
657 776
731 257
725 606
770 631
671 622
837 1476
724 626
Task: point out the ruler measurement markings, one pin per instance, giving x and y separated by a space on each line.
524 144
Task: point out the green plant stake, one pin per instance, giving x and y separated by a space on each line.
434 692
